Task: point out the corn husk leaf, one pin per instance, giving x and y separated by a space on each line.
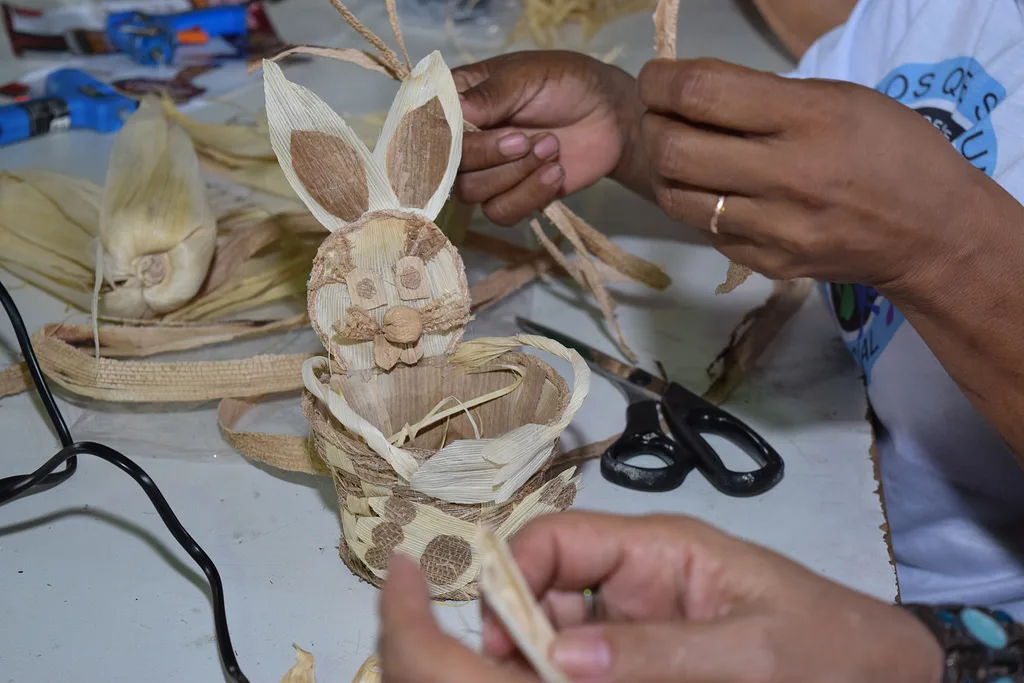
506 592
156 226
304 670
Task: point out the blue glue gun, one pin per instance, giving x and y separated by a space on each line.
73 99
152 39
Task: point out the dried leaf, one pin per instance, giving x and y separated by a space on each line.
343 54
666 19
304 669
734 277
156 225
506 592
753 336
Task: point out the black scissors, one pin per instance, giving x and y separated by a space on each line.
688 416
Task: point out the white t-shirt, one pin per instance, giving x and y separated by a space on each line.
954 491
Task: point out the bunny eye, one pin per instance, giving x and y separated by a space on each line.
366 289
411 279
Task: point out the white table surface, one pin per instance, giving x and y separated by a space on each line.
93 589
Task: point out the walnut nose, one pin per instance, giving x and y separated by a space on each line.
402 325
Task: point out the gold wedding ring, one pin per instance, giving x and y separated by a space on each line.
719 210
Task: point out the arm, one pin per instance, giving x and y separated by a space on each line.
968 306
798 23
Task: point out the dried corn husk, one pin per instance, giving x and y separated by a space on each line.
234 152
370 671
508 595
543 21
156 226
304 670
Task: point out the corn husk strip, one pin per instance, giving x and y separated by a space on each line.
343 54
139 382
492 470
14 380
122 341
387 55
604 250
754 335
506 281
156 225
507 593
666 20
588 273
281 451
397 30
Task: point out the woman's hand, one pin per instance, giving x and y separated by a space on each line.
822 179
680 602
553 123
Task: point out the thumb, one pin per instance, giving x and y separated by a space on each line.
495 99
413 648
720 651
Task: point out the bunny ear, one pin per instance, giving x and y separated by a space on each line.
420 145
325 162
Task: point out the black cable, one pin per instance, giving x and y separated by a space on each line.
63 433
12 487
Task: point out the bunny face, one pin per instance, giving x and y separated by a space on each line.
386 286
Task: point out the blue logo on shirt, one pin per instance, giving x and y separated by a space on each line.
956 96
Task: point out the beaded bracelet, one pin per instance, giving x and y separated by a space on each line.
981 645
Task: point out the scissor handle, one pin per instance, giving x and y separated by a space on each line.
688 416
643 436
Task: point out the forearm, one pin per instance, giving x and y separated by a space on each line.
798 23
970 310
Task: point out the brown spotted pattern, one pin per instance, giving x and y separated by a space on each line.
385 537
366 289
445 559
399 511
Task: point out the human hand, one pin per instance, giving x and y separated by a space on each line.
680 602
822 179
552 123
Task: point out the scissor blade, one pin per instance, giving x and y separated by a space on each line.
602 363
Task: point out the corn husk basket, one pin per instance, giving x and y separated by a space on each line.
425 436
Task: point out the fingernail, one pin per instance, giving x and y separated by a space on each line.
552 175
546 147
514 145
582 654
